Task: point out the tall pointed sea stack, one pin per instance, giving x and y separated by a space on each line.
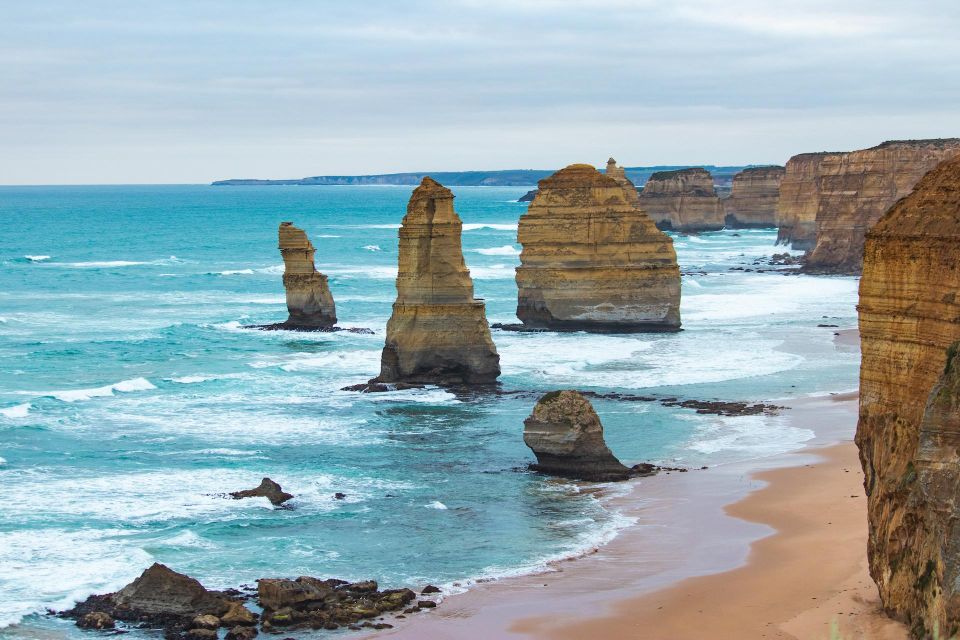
909 317
592 260
683 200
618 174
309 300
438 332
753 198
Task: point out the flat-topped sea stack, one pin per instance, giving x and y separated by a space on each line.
682 200
565 434
856 189
309 300
593 261
438 333
753 199
909 318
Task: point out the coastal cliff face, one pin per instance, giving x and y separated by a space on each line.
565 434
438 332
753 198
683 200
800 199
592 260
909 316
856 189
309 300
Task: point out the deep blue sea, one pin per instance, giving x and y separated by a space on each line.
130 394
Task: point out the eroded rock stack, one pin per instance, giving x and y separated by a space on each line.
438 332
565 434
682 200
909 317
309 300
592 260
753 198
800 199
618 174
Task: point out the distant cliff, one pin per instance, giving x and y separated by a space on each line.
506 178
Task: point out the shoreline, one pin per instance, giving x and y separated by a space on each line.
749 578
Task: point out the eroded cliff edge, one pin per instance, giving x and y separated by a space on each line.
753 198
592 260
438 332
909 316
683 200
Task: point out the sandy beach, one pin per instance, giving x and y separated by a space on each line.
785 557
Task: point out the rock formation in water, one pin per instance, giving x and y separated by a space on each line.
753 198
593 261
268 489
528 196
800 199
565 434
308 296
682 200
909 316
438 332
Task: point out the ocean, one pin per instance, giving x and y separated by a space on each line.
131 395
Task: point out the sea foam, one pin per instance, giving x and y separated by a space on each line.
125 386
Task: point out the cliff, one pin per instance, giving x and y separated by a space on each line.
856 189
438 332
909 316
620 175
565 434
593 261
753 198
800 199
309 300
683 200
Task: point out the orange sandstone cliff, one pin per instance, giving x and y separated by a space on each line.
753 198
592 260
438 332
800 199
309 300
682 200
908 438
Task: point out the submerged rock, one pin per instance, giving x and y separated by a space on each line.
592 260
268 489
909 316
753 198
683 200
438 332
565 434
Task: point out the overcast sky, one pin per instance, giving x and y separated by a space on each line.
196 90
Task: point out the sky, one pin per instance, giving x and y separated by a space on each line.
190 91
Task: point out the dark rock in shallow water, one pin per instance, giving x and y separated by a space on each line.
242 633
288 326
374 386
96 620
528 196
429 589
268 489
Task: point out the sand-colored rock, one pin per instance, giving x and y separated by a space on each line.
309 300
592 260
618 174
682 200
800 199
856 189
438 332
565 434
909 316
753 198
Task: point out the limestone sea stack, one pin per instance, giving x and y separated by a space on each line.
592 260
565 434
618 174
683 200
909 316
438 333
309 300
856 189
800 199
753 198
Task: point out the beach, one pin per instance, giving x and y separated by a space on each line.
785 558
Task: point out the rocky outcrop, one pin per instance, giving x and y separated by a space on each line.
528 196
683 200
309 300
620 175
800 199
268 489
753 198
438 332
592 260
856 189
909 316
565 434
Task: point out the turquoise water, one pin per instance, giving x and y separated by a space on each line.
130 394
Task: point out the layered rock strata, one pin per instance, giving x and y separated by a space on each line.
909 316
856 189
683 200
753 198
593 261
800 199
565 434
309 300
438 332
620 175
